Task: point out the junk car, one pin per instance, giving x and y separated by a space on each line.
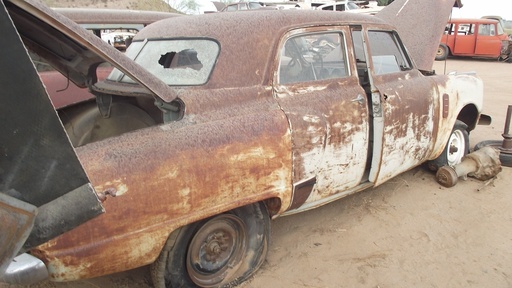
203 133
474 38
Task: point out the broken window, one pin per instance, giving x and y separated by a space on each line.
312 57
174 61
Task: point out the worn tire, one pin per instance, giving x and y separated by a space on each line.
505 159
442 52
236 240
456 148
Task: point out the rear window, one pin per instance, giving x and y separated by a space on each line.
175 62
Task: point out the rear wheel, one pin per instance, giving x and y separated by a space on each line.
222 250
442 52
456 148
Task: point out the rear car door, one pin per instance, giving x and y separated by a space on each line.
465 39
318 90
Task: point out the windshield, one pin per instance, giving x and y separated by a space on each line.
500 29
174 61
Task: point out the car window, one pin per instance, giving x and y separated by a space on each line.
255 5
449 29
231 7
501 29
387 54
312 57
242 6
466 29
486 30
352 6
176 62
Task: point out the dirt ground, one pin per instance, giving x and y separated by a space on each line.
409 232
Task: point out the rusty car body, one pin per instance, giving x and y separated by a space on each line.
192 146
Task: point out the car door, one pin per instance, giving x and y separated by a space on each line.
404 108
488 43
465 39
319 92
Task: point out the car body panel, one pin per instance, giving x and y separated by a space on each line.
39 169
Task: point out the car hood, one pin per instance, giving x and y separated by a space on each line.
74 51
420 31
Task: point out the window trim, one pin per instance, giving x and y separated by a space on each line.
301 32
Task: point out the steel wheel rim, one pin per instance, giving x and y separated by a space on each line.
440 51
216 250
456 148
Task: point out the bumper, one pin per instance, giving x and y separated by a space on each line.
25 269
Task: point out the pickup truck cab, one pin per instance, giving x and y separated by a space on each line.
203 133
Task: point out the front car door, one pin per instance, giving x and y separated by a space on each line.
317 87
488 42
404 107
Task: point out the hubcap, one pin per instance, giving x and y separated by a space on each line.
456 148
216 250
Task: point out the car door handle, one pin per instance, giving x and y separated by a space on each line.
359 99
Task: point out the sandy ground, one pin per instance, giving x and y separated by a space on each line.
409 232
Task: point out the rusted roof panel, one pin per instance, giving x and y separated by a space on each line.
112 16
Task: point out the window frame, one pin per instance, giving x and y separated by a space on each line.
398 44
343 38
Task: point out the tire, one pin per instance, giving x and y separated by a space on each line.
456 148
442 52
505 159
220 251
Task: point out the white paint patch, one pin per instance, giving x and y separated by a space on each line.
311 119
117 184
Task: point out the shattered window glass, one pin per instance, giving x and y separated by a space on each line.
176 62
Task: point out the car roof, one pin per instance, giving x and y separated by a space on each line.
246 50
258 24
113 16
473 20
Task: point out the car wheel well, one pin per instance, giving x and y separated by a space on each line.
469 115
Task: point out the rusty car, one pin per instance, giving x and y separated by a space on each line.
203 133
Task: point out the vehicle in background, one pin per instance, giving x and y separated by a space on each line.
348 6
337 6
474 38
114 26
243 6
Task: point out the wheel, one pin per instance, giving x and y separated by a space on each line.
223 250
442 52
456 148
505 158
